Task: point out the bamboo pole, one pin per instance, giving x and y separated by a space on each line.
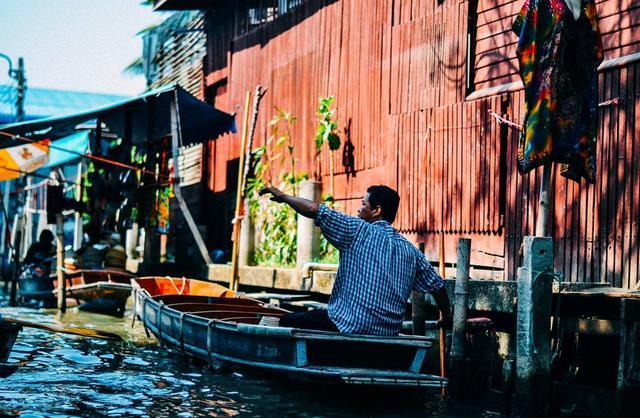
443 372
233 282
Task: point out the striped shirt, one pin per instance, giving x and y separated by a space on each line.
378 269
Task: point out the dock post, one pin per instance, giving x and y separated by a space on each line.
62 283
533 351
16 255
460 317
308 235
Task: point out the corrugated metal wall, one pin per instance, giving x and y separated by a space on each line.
400 73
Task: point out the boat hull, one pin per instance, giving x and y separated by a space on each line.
226 332
8 336
37 290
100 291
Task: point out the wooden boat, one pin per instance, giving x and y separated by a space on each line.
212 323
36 287
8 335
102 291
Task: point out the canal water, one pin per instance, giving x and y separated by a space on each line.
64 375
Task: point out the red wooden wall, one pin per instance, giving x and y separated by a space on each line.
414 82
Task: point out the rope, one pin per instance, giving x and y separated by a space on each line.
184 284
503 121
91 157
612 102
557 276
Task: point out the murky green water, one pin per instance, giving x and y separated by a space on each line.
67 376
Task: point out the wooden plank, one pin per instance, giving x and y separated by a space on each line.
633 107
602 195
625 166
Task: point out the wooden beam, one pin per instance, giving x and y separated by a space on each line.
175 132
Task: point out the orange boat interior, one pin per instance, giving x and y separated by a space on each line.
207 300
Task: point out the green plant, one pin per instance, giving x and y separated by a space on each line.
276 225
327 132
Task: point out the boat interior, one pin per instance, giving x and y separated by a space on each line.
207 300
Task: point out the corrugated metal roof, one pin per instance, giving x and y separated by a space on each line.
148 112
41 102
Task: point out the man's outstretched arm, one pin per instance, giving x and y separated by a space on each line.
304 207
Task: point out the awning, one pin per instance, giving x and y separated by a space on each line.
78 143
136 119
27 158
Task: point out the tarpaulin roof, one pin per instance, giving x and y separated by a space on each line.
78 143
137 118
43 102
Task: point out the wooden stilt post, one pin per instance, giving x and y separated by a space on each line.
233 281
15 254
62 283
175 145
443 372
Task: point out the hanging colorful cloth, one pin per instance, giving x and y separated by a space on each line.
559 56
162 210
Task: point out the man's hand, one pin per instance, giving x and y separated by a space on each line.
304 207
276 194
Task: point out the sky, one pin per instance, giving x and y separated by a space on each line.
80 45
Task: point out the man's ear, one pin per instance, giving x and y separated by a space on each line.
377 211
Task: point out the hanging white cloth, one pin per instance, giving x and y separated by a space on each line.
575 6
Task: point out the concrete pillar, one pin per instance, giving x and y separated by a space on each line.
533 351
247 234
131 240
461 298
308 234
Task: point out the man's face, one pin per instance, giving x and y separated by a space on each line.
365 212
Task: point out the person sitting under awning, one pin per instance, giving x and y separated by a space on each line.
378 267
42 250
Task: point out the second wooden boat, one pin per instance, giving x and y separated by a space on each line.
103 291
212 323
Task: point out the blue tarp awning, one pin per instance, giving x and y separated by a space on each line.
136 119
78 142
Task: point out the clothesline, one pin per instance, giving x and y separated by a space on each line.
501 120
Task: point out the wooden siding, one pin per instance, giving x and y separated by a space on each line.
495 60
180 59
398 69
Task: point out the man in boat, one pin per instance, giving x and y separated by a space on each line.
378 267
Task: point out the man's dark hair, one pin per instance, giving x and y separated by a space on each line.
387 199
46 236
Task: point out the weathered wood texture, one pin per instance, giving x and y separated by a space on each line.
400 71
180 59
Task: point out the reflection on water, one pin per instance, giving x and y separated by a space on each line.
68 376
